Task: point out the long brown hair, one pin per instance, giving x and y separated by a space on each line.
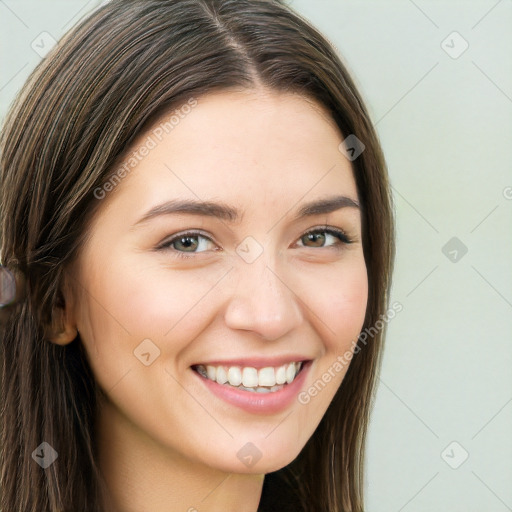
102 85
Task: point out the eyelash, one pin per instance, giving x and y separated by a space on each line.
338 233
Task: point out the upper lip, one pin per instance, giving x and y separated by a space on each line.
256 362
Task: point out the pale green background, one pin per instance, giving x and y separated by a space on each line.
446 127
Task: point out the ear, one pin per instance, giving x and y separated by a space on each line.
63 328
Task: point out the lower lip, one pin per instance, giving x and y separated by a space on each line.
258 403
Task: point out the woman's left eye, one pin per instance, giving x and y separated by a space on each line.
194 242
318 235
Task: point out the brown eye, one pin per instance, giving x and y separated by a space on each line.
319 237
188 242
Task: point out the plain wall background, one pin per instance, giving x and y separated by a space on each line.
444 116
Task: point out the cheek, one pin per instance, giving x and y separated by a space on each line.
342 304
129 303
341 310
163 303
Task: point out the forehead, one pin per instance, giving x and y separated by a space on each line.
250 146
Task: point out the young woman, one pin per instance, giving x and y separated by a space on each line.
196 213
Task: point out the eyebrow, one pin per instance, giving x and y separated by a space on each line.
228 213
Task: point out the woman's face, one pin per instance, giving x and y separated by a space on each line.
167 295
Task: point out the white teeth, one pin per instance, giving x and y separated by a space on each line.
211 372
235 376
260 390
281 375
250 377
267 377
265 380
221 375
290 373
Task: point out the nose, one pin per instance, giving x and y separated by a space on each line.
263 301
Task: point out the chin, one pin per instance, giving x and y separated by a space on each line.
257 457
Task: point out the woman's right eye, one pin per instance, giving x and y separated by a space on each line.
188 242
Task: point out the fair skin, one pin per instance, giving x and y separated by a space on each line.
166 442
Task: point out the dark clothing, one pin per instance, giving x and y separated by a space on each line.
277 496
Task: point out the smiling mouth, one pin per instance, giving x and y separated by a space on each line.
265 380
